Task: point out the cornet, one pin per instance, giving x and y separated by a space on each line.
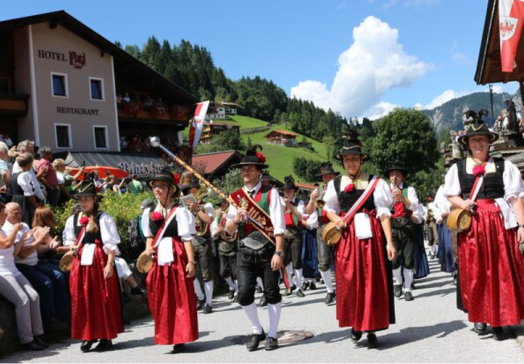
319 202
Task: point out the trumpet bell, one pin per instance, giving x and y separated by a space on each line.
320 204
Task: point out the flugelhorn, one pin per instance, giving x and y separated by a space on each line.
319 202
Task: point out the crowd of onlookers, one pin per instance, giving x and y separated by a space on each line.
30 276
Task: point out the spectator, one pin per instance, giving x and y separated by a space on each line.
5 176
127 98
17 289
8 141
26 146
27 191
135 186
47 176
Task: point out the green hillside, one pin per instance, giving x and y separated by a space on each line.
246 122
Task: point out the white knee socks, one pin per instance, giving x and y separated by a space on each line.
326 276
208 286
198 289
252 316
274 318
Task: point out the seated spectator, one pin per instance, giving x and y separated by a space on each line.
26 189
5 176
125 274
17 289
135 186
8 141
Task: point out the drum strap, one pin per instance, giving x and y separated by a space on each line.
164 226
362 199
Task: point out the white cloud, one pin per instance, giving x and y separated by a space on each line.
379 110
373 64
457 56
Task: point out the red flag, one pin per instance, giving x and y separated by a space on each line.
197 124
511 21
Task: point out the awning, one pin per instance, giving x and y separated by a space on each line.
141 164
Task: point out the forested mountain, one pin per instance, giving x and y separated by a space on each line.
192 67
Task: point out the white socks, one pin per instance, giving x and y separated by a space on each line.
252 316
232 285
289 271
198 289
397 273
260 283
298 278
326 276
408 276
274 318
208 286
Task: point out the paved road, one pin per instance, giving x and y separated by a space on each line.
428 329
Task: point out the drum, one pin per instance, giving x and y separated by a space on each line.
144 263
66 262
331 234
459 220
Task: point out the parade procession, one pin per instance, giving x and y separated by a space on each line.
154 210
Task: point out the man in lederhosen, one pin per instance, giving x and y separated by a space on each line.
259 220
327 173
405 202
227 249
202 246
293 211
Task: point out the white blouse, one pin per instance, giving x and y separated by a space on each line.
7 260
441 204
108 230
184 219
381 197
276 212
31 259
513 186
30 185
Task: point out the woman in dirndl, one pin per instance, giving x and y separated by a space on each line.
363 255
168 228
95 296
491 268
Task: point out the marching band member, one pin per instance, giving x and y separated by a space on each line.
260 223
491 268
95 293
363 274
168 231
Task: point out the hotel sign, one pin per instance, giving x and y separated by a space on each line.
77 60
143 169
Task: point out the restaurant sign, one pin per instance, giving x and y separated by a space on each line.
143 169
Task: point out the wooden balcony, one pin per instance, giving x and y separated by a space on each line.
14 104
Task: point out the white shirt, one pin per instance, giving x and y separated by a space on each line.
108 230
32 259
312 220
276 213
7 260
184 219
441 205
381 197
30 185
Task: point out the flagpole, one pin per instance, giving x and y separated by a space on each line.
491 99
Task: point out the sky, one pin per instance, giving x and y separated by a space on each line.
357 57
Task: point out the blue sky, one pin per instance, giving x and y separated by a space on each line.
359 57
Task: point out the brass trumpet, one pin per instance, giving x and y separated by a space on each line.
319 202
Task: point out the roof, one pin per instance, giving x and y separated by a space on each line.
211 162
284 132
306 186
122 57
489 68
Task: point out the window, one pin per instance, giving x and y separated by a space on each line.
96 89
63 136
100 137
59 85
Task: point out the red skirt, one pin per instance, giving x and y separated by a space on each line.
172 300
363 294
95 301
491 269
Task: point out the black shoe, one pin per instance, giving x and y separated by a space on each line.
104 345
208 309
397 290
372 340
40 341
32 346
258 289
271 343
300 293
200 303
86 345
138 292
178 348
455 280
330 297
408 296
305 285
231 294
255 340
355 335
499 334
480 327
263 301
235 299
312 286
290 290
